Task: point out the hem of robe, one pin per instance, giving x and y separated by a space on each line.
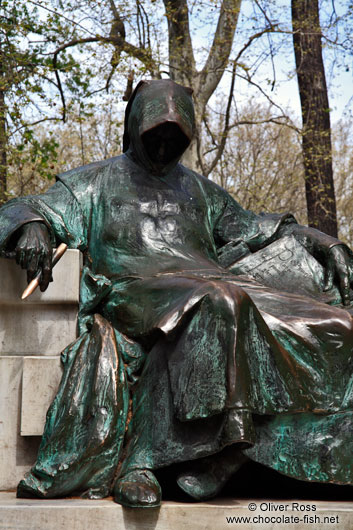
158 439
85 426
306 446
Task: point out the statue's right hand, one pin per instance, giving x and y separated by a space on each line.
34 252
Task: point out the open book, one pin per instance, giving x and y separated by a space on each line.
287 266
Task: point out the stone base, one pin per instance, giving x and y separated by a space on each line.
221 514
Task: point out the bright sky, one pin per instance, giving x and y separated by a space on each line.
285 93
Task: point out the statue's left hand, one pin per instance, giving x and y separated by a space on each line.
334 255
339 265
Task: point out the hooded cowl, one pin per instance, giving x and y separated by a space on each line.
160 114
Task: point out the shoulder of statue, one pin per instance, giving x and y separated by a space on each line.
209 186
85 175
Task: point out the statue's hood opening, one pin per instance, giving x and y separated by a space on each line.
159 124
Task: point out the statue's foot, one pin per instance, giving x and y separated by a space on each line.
31 487
138 489
206 477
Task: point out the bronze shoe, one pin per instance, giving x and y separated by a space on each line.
138 489
206 477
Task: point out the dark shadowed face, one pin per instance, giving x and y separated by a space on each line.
160 124
165 143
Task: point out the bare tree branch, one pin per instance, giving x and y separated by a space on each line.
227 126
210 133
75 42
60 88
251 82
138 17
270 29
109 78
147 24
220 50
268 21
199 154
224 135
275 120
46 8
32 124
114 10
139 53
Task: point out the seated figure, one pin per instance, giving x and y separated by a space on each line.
185 355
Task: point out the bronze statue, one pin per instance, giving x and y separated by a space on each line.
208 335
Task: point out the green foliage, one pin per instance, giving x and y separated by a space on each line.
342 135
38 83
58 58
27 82
31 164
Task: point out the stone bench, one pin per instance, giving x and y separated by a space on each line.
32 335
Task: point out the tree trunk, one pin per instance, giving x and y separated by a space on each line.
182 62
192 158
3 141
316 134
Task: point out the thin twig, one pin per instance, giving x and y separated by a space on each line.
226 124
60 14
32 124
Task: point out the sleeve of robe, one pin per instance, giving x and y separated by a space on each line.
238 226
58 208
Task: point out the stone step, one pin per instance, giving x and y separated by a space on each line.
17 453
79 514
36 330
27 387
40 381
32 335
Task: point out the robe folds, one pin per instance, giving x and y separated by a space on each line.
178 355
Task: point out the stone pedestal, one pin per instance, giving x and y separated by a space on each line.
40 380
221 514
32 335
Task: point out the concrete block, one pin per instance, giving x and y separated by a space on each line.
46 322
40 381
17 453
36 329
63 290
79 514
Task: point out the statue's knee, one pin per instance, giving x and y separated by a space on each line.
227 297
